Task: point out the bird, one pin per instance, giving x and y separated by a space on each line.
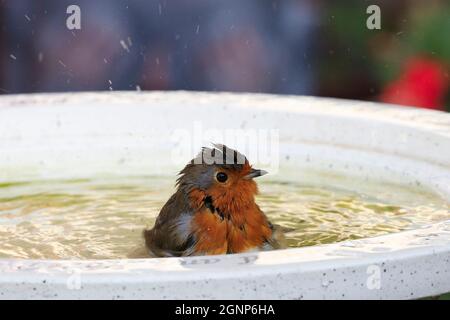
213 210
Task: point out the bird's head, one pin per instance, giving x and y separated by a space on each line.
223 174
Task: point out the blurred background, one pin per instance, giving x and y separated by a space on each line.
307 47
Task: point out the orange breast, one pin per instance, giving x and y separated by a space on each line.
210 232
241 232
247 230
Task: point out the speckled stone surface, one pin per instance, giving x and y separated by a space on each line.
130 132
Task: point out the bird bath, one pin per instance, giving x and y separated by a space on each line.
71 137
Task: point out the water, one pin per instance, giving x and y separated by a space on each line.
103 218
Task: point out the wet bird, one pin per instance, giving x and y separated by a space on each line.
213 210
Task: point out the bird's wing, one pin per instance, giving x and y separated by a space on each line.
171 235
277 240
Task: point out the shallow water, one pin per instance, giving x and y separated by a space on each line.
104 218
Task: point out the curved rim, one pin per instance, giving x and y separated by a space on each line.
409 247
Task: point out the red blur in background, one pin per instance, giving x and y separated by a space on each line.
422 83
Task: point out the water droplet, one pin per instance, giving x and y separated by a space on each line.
124 46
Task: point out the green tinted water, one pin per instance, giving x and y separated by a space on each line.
104 218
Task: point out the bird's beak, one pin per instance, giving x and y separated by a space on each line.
255 173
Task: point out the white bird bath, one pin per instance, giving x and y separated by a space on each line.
48 136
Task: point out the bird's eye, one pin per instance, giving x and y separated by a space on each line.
221 177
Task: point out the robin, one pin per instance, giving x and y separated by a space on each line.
213 210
